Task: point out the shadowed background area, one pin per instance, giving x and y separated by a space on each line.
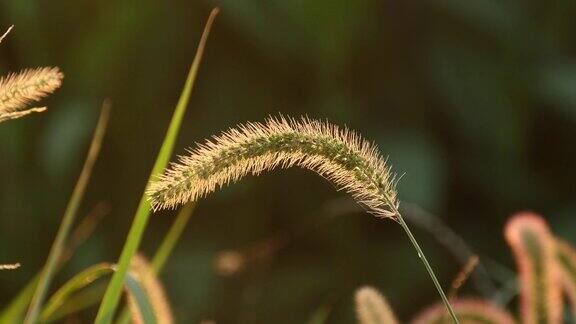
473 101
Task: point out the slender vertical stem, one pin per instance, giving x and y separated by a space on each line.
165 249
113 292
68 219
427 266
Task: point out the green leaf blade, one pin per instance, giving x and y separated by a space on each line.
114 291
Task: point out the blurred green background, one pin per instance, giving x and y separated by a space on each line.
475 101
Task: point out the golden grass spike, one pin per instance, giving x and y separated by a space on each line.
372 307
17 90
6 33
336 154
143 272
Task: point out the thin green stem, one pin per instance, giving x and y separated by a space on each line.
165 249
68 220
114 290
426 265
172 237
15 311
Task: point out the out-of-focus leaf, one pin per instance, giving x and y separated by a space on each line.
539 278
497 18
83 299
146 297
78 282
468 311
556 85
67 128
420 161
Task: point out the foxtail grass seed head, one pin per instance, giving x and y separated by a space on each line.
335 153
17 90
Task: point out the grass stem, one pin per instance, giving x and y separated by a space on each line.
165 249
68 220
114 290
422 257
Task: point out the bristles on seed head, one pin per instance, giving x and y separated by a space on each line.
17 90
336 154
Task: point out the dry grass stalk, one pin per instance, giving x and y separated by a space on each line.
462 276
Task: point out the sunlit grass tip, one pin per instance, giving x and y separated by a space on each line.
17 90
335 153
372 307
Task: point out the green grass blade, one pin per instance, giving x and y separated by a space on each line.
165 248
68 219
112 295
320 316
145 293
469 310
172 237
140 297
75 284
15 311
84 299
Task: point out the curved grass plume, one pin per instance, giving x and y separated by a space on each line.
337 154
539 277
